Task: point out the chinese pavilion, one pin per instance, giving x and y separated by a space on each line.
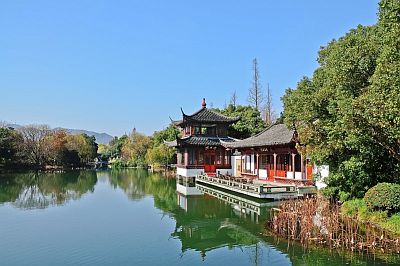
271 155
201 147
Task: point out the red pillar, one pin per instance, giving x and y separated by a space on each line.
186 157
293 165
274 166
256 166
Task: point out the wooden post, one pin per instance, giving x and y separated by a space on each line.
256 168
302 166
186 157
293 165
241 164
274 165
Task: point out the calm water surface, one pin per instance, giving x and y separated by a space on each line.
133 217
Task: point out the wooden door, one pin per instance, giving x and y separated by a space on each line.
238 167
270 171
209 163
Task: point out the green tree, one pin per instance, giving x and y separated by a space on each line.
9 147
160 155
135 148
84 145
115 146
168 134
250 122
348 113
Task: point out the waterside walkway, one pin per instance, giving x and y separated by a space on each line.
257 189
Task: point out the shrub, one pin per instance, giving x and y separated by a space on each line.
353 208
330 193
393 223
384 197
344 196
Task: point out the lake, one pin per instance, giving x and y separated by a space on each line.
134 217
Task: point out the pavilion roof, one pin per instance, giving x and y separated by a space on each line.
277 134
201 141
205 115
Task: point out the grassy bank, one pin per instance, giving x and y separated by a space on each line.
357 209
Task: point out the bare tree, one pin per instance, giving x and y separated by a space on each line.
3 124
255 92
233 99
269 112
35 142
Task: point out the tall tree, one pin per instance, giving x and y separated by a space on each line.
168 134
255 98
348 113
10 142
56 147
35 143
269 112
135 148
233 99
250 122
84 145
160 155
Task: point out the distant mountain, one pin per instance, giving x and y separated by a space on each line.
15 126
101 138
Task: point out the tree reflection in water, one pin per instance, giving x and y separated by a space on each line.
216 221
204 225
40 190
211 221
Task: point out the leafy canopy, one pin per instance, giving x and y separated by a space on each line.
348 112
250 122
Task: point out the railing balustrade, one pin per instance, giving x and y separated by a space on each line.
246 186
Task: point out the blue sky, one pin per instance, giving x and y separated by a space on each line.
108 66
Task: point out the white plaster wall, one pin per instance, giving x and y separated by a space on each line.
188 191
233 163
297 176
263 174
188 172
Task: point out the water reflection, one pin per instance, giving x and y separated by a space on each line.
218 219
208 219
140 183
202 222
213 225
38 190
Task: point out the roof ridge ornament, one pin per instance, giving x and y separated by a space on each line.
203 103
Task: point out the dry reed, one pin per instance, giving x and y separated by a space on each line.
317 221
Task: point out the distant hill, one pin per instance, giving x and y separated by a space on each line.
101 138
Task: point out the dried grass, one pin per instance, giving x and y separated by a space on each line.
317 221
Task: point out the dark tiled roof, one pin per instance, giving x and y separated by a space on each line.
176 122
171 143
274 135
205 115
201 141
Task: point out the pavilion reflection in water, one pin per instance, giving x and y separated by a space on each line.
214 218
